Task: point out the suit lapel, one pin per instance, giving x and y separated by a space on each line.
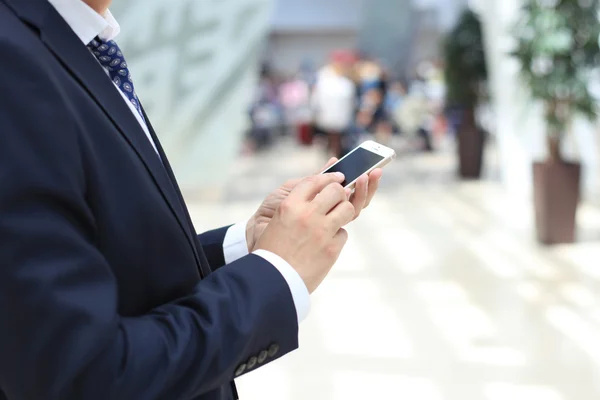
200 258
77 59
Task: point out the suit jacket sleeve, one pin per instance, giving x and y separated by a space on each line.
212 245
62 336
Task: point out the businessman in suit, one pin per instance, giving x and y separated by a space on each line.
106 291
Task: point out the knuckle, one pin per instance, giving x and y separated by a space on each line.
332 250
311 180
320 234
339 190
349 208
290 182
304 219
343 236
335 191
286 207
332 177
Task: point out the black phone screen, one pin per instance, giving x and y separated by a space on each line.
355 164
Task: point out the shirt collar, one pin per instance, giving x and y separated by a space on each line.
85 22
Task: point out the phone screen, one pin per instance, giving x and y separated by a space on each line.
355 164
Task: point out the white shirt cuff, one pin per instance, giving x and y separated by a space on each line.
299 291
235 245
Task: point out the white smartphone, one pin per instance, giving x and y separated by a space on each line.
362 160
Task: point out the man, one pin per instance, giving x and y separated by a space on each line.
333 101
106 292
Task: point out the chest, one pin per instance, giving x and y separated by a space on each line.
142 226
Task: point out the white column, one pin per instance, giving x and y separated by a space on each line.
518 124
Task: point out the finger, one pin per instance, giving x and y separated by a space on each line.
331 161
290 185
341 237
339 242
340 216
376 174
329 197
374 179
313 185
359 198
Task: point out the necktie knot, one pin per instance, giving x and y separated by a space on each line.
110 56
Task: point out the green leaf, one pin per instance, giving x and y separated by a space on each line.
557 49
465 61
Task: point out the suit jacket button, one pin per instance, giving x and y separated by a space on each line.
241 369
251 363
273 350
262 357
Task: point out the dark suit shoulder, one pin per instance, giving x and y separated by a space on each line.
13 29
37 128
25 58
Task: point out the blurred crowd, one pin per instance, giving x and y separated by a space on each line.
347 100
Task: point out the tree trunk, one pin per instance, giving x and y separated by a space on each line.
554 133
554 154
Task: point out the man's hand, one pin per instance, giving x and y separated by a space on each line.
306 229
366 187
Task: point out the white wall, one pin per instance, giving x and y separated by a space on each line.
448 10
287 50
519 125
309 30
317 14
194 63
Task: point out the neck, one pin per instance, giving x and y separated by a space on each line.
100 6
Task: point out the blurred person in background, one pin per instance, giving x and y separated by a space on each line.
358 131
334 100
308 72
394 97
265 121
369 74
266 118
107 291
294 95
373 103
413 116
435 89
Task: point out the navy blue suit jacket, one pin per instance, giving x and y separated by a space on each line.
106 291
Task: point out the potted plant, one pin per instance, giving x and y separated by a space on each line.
466 75
557 48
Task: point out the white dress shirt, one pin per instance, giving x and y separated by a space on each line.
87 24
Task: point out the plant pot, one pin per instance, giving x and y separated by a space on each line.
470 147
556 194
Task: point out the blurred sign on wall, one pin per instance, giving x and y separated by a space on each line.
307 31
386 32
195 65
404 33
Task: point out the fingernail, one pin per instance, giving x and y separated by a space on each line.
339 175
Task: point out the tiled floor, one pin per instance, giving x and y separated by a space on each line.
440 294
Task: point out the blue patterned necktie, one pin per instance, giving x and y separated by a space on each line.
111 58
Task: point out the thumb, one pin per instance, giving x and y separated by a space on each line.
292 183
331 161
313 185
